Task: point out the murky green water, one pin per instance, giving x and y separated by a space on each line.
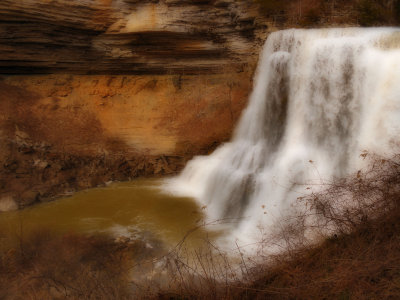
135 209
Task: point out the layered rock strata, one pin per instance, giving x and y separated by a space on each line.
62 133
111 90
127 36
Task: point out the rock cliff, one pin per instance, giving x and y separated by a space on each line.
100 90
127 36
61 133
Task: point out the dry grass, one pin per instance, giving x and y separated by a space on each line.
359 256
344 245
48 266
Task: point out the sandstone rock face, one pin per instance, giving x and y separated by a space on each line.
100 90
61 133
127 36
92 114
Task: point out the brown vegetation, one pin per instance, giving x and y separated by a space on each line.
345 245
359 258
44 266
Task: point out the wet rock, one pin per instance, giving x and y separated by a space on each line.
40 164
7 203
122 240
28 198
11 165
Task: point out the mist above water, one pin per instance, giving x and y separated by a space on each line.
321 97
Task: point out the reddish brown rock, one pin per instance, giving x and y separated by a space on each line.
109 128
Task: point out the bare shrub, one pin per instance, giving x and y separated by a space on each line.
344 243
47 266
348 203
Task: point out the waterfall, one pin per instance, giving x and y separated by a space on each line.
320 98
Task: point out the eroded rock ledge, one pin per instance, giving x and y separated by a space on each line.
127 36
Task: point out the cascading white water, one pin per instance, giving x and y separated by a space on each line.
320 98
